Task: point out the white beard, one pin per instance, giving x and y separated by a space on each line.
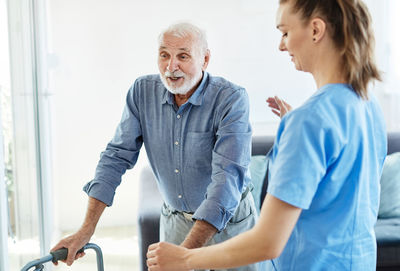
188 83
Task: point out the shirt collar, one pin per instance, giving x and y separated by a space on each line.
195 99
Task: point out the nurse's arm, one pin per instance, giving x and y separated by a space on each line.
266 240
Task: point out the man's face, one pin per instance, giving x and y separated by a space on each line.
181 63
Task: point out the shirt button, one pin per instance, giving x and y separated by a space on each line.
176 143
180 196
178 116
176 170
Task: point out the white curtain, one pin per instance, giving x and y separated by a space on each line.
386 24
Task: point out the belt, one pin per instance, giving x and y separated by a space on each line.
189 215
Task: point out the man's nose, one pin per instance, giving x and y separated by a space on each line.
173 65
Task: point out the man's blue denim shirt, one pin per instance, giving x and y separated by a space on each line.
199 152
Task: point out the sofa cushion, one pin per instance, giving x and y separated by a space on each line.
390 187
388 240
387 231
258 168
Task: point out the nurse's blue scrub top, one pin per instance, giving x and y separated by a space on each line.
327 160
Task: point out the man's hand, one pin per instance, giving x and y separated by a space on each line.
167 257
278 107
73 243
77 240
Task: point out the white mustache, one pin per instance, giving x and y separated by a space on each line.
174 74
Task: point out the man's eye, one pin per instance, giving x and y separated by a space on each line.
183 56
284 35
162 55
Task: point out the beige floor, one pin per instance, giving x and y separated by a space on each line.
120 251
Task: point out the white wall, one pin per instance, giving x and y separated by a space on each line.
99 48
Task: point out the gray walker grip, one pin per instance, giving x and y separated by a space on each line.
62 254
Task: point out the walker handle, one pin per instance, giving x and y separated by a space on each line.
62 254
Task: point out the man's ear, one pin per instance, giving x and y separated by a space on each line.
318 27
207 56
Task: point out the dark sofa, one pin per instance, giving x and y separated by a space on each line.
387 230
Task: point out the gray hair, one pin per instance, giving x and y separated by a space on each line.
183 30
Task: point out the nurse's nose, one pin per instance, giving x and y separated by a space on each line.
282 46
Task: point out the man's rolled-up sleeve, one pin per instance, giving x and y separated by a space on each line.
120 154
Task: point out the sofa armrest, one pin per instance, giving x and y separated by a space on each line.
149 208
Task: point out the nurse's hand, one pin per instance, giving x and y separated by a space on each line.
164 256
278 107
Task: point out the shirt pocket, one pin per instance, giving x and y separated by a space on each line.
198 149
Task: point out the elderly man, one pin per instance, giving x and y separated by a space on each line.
197 136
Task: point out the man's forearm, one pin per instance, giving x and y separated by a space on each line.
77 240
94 211
199 235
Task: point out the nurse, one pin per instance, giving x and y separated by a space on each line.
323 193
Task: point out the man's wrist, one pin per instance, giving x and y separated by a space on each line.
87 230
201 233
192 243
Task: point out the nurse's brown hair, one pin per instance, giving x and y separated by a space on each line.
349 25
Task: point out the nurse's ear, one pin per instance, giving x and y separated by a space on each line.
318 28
